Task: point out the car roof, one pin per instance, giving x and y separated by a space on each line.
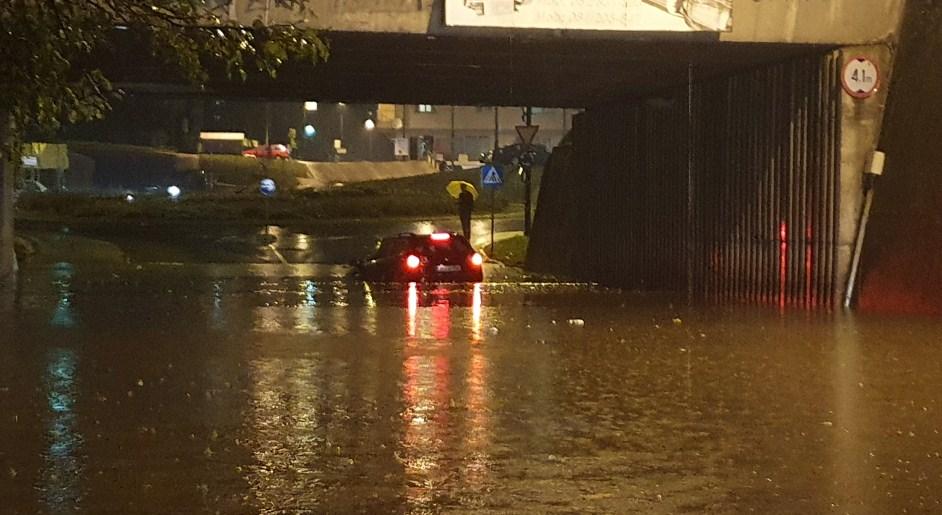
406 235
413 237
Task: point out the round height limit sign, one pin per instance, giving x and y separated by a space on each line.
861 77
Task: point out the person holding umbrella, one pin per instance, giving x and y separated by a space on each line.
465 195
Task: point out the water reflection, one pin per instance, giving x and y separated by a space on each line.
445 394
368 323
441 314
425 393
302 241
435 314
63 316
413 309
61 468
478 437
305 313
851 468
339 316
218 319
284 420
476 313
724 412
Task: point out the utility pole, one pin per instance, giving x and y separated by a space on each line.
454 155
403 120
496 132
494 163
267 102
527 169
267 126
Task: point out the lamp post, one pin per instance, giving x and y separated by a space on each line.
309 131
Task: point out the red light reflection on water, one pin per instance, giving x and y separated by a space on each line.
783 262
476 313
413 304
809 267
441 315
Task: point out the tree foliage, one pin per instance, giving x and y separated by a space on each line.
48 51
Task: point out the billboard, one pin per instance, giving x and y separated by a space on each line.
616 15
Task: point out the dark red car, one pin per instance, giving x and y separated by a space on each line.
438 257
268 152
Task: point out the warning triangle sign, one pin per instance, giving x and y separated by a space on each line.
492 177
527 133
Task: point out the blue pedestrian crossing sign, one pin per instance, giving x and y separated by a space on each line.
492 177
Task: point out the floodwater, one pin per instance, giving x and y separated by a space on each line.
213 243
268 388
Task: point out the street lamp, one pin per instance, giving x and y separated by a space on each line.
369 125
309 132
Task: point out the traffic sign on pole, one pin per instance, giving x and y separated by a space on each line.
861 77
492 177
267 187
527 133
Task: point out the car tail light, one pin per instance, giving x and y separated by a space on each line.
477 260
441 236
413 262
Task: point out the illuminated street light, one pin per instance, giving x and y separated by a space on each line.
369 124
174 192
310 131
310 106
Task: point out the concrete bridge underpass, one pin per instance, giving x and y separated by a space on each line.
726 163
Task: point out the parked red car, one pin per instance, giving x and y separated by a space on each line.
268 152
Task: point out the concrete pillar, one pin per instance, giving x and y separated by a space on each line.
900 270
861 123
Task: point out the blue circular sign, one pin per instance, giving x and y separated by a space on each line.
267 187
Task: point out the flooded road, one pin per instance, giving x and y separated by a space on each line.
288 389
327 242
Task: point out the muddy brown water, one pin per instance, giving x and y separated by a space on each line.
272 389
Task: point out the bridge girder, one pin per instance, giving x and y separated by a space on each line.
480 70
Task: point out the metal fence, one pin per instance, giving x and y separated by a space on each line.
727 190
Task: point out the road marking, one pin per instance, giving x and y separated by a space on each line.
278 254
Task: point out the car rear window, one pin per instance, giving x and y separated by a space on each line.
393 246
424 245
455 246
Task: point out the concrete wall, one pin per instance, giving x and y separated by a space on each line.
861 122
902 259
409 16
324 175
846 22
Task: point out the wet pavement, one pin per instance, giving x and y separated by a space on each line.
269 388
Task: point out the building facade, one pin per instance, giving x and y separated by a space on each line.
453 131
